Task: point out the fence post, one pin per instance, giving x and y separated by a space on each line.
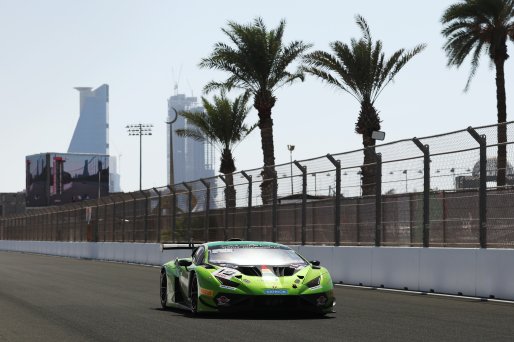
225 229
134 216
173 212
97 225
337 217
75 225
426 190
303 169
146 216
113 218
206 209
274 216
189 211
123 219
482 192
378 197
105 219
248 235
158 238
69 223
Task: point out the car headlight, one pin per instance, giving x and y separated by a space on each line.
314 282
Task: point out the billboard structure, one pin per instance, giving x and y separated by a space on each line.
58 178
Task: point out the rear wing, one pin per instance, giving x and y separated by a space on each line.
177 246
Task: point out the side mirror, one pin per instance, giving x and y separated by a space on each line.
315 262
185 262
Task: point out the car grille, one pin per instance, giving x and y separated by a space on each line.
234 302
284 271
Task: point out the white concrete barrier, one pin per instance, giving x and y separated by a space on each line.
470 272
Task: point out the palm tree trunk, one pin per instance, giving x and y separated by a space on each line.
501 104
264 101
230 191
227 167
368 168
368 122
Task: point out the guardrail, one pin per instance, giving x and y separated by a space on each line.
436 191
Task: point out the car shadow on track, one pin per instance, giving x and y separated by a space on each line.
263 316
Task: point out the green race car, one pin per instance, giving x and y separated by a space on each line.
230 276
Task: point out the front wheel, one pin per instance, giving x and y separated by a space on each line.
193 292
164 289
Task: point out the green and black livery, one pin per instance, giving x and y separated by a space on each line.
232 276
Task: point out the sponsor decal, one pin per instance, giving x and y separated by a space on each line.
275 291
225 273
266 271
322 300
315 288
227 287
206 292
222 300
268 274
222 250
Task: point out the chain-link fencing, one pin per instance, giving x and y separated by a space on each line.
440 191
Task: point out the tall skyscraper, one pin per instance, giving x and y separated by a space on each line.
91 134
192 159
92 130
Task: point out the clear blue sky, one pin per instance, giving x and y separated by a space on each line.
141 48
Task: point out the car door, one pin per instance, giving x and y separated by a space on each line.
185 271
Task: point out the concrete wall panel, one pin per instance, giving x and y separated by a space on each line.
396 268
495 273
352 265
448 270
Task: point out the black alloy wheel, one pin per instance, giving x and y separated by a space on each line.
164 289
193 292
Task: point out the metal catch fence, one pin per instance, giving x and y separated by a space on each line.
433 191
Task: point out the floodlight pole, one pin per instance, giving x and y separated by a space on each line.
140 130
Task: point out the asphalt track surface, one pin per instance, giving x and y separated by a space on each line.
44 298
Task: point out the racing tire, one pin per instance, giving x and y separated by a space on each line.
193 294
164 289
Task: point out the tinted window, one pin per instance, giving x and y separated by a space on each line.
199 255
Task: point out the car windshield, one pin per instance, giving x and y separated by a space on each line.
254 255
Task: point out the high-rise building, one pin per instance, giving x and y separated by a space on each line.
192 159
91 134
92 130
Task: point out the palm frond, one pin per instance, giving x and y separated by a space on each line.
472 27
359 68
256 59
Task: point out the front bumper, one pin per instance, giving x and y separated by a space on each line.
314 303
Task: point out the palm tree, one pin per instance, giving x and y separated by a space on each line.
257 62
361 70
473 26
223 125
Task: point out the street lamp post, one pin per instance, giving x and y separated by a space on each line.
291 148
140 130
172 167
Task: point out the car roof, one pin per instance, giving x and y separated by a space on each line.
215 244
